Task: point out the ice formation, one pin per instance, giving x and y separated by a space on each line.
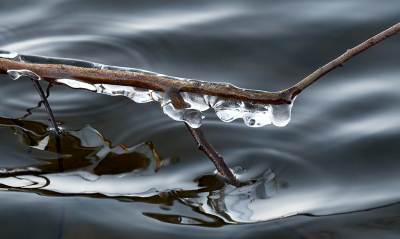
254 115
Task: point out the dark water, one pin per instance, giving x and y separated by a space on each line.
129 171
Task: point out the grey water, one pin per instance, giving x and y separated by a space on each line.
126 170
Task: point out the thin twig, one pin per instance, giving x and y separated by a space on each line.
345 57
198 135
218 161
46 104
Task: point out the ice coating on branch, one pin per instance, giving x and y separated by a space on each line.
77 84
195 101
8 54
138 95
253 115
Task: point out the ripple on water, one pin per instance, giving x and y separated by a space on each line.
338 155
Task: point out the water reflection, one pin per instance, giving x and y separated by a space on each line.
85 153
83 162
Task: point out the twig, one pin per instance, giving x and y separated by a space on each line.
46 104
345 57
198 135
218 161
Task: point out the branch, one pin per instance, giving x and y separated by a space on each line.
51 69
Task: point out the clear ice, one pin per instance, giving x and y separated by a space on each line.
253 115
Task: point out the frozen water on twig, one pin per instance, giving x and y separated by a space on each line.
253 115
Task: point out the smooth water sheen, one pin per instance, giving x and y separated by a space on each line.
125 170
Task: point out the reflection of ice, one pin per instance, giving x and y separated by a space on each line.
232 203
92 166
85 153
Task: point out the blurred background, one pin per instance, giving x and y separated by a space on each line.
130 171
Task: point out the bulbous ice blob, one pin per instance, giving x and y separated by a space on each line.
173 113
257 119
196 101
256 115
192 117
228 110
281 114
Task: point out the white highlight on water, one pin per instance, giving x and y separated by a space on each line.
253 115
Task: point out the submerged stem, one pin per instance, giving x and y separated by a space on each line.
47 105
218 161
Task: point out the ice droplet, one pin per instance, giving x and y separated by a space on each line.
256 116
192 117
15 74
172 112
228 110
281 114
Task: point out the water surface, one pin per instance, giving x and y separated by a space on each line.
130 171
